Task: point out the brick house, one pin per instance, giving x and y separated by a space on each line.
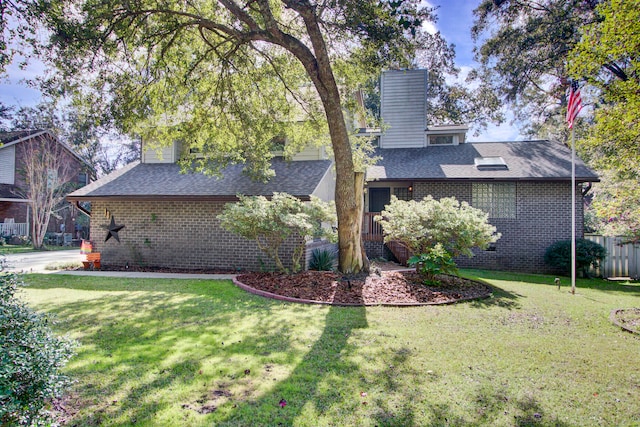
524 186
170 218
14 205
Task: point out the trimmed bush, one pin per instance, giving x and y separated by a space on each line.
270 222
588 254
31 357
436 231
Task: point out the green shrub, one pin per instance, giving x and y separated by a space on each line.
322 260
436 230
588 254
270 222
430 264
31 358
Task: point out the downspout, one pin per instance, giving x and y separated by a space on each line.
587 189
83 210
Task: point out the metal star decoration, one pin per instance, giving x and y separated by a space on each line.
113 229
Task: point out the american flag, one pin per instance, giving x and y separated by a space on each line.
575 103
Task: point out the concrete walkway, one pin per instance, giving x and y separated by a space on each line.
46 262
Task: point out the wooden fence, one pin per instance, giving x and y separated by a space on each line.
623 259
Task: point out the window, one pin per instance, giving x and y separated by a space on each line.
82 178
52 178
490 163
402 193
441 140
496 199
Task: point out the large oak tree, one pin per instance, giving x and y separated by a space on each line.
229 78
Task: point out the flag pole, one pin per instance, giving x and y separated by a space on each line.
573 212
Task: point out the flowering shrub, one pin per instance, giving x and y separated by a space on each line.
436 231
31 358
271 222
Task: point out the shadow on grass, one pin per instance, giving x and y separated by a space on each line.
201 352
549 280
307 383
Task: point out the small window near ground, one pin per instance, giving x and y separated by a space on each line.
496 199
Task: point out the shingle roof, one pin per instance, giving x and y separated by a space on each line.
7 137
159 180
15 137
526 160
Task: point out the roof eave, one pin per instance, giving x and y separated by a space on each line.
167 198
503 179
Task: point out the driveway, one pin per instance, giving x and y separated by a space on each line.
36 262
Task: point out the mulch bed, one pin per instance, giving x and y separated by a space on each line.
383 288
386 286
627 319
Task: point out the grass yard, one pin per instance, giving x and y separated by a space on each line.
203 353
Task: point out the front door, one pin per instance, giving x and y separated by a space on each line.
378 199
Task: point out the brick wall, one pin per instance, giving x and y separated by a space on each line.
175 234
543 217
17 211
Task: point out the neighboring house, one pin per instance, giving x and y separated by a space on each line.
15 213
170 219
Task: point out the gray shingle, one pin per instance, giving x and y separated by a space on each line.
526 160
299 178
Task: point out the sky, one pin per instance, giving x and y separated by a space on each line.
455 18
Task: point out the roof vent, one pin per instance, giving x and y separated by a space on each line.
490 163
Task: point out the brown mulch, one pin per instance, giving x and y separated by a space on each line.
382 287
387 284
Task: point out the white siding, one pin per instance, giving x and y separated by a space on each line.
326 187
310 153
155 154
8 165
404 108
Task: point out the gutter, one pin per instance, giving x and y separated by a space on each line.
81 209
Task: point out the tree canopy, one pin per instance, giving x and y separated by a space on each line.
607 59
522 47
230 79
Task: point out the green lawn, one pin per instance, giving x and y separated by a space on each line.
202 353
21 249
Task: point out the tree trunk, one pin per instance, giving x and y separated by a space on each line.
348 192
319 68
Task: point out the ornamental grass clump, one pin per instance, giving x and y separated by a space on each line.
323 260
436 231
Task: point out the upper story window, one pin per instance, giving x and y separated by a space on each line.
443 140
440 139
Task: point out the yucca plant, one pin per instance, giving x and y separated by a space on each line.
322 260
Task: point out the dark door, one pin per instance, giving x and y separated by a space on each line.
378 199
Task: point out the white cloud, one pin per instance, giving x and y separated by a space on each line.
429 27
